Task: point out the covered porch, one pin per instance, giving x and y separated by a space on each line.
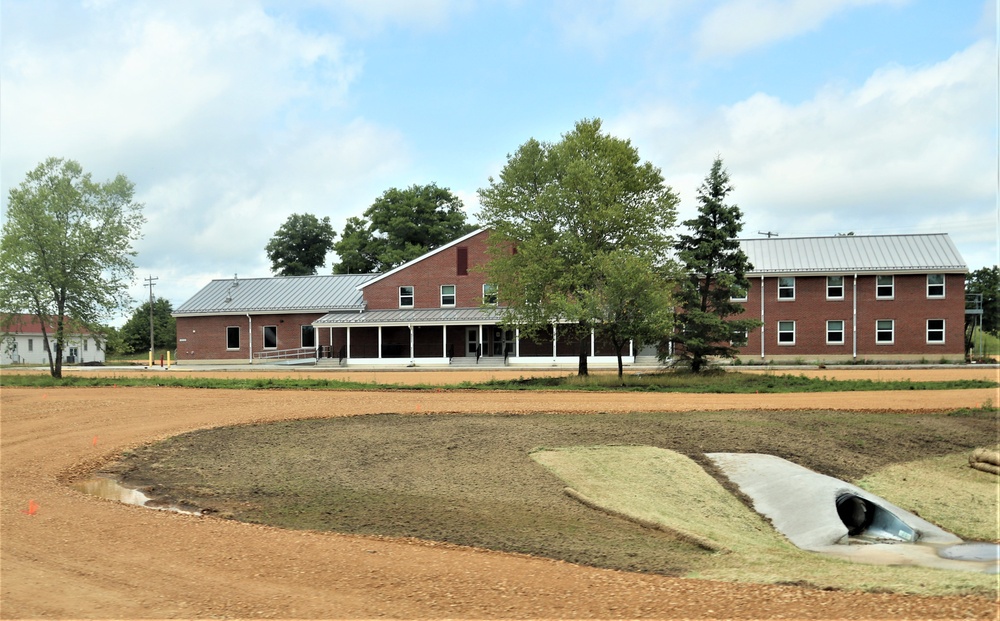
446 337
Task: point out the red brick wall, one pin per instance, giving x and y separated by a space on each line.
204 338
910 308
427 276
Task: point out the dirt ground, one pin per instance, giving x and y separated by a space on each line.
67 555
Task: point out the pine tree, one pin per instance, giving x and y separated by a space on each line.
716 271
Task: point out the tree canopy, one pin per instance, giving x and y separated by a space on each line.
561 216
986 282
300 245
135 333
66 249
398 227
715 269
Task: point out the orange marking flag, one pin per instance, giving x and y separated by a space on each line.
32 507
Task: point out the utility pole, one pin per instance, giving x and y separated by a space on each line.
149 283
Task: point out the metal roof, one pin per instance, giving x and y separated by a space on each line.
279 294
854 254
429 316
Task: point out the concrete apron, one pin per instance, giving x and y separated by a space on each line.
803 506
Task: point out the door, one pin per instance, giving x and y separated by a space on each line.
472 340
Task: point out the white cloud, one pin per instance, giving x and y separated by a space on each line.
910 150
736 26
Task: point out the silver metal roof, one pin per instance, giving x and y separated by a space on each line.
854 254
430 316
280 294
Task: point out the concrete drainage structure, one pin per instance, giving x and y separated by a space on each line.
823 514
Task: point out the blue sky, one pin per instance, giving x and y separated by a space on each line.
871 116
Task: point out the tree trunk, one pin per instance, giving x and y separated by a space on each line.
582 367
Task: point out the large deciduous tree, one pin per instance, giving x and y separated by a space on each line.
398 227
986 283
300 245
715 269
135 333
560 216
66 249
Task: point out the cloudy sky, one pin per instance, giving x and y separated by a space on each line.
871 116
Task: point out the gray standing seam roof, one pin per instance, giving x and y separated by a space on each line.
854 253
278 294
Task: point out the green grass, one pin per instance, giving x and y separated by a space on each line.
991 344
669 491
719 382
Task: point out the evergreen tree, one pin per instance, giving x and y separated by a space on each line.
134 335
716 270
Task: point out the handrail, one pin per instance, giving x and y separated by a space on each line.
286 354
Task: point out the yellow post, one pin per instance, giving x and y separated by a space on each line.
151 359
168 358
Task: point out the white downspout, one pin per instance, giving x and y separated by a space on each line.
250 333
761 316
854 318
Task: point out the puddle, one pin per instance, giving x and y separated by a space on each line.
111 489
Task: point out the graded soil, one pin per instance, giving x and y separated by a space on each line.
66 555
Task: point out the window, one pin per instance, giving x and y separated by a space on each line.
884 287
270 337
739 338
489 294
308 336
835 332
835 287
462 257
84 344
935 330
935 285
447 295
739 294
786 288
406 297
786 333
233 337
884 331
31 344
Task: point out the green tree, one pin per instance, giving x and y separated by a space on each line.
715 269
66 249
135 333
398 227
630 300
300 245
986 282
556 213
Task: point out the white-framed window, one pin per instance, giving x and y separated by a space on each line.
270 337
786 333
935 285
885 287
935 331
739 338
489 294
835 332
885 331
447 295
232 337
84 344
31 344
835 287
739 294
406 297
786 288
307 336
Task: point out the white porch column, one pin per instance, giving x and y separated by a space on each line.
348 342
482 348
444 341
593 347
517 342
411 343
555 338
380 342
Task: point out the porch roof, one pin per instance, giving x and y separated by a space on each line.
414 316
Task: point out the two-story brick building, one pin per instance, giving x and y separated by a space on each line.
849 298
898 297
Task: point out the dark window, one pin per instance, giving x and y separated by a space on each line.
786 332
308 336
884 331
233 337
270 337
463 261
884 286
447 295
406 297
935 330
835 332
786 288
935 285
835 287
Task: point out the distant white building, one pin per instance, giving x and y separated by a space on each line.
22 342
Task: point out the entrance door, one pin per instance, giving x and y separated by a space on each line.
471 340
